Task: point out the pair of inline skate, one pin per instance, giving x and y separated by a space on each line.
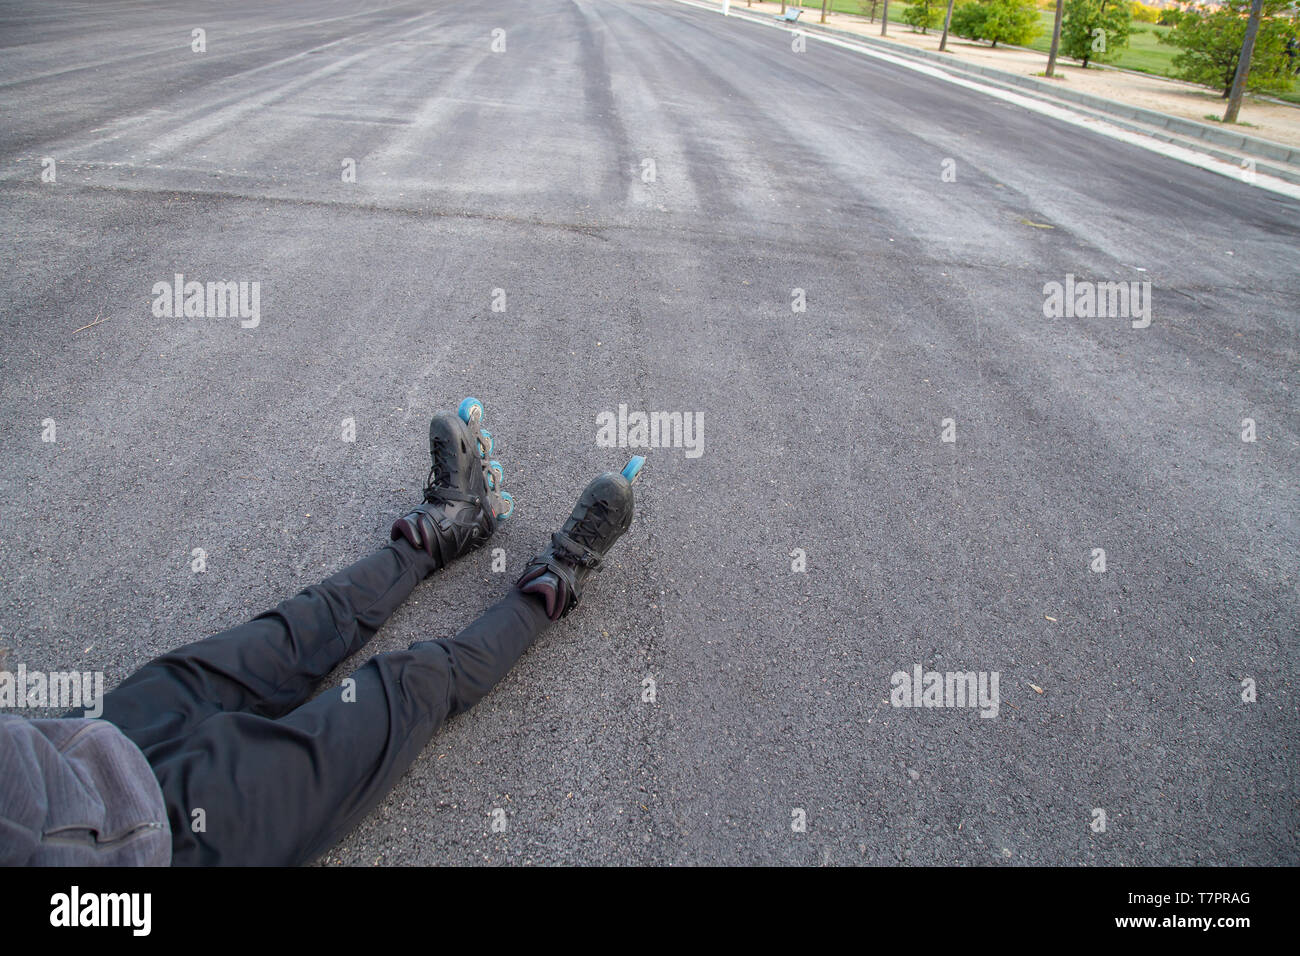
464 504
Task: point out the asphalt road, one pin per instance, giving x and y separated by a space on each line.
524 170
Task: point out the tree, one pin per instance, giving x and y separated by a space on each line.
923 14
998 21
869 7
1011 21
968 20
1095 29
1211 43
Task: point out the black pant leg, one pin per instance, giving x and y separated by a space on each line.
271 664
281 792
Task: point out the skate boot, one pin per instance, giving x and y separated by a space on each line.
578 550
463 500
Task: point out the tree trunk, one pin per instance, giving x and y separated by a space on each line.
1056 39
1243 63
947 19
884 20
824 5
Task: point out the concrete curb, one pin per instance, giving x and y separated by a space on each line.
1176 129
1174 124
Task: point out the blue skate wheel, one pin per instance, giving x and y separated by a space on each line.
487 441
632 470
508 500
470 411
496 473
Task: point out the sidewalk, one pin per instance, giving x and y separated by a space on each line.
1277 122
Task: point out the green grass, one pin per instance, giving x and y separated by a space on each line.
1144 53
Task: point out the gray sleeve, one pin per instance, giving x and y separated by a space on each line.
78 792
23 806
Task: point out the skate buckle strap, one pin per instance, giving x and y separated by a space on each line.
578 553
563 560
442 535
570 593
436 493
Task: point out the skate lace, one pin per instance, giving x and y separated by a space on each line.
438 486
431 485
441 494
438 489
439 475
588 531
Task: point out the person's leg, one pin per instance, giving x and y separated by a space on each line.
280 792
271 664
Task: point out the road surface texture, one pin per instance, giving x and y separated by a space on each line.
649 185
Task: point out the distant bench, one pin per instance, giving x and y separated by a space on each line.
790 16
